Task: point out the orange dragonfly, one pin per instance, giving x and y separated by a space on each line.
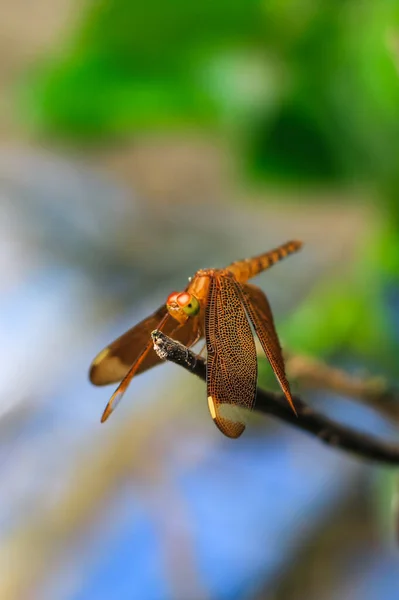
217 304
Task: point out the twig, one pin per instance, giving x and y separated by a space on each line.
373 391
325 429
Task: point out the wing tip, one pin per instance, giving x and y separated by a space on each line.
231 429
107 412
112 404
93 375
107 368
290 401
94 371
105 416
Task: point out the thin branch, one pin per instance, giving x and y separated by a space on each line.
325 429
372 391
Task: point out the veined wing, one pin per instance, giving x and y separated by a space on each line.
115 360
187 334
259 311
232 363
112 364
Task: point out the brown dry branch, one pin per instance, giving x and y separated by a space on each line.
372 391
325 429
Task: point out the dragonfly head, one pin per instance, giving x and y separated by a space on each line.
182 305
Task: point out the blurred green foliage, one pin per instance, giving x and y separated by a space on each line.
313 86
146 65
307 90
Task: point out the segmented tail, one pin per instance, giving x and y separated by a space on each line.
245 269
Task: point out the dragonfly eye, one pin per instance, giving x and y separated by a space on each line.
188 303
172 298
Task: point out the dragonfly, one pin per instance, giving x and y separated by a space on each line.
218 304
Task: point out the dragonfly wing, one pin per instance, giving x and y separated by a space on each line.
259 311
232 363
187 334
113 363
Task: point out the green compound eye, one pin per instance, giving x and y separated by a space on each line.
188 303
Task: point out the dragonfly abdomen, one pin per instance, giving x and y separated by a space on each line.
249 267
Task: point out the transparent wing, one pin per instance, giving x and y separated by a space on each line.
232 363
259 311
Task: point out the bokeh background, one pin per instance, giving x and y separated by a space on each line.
140 142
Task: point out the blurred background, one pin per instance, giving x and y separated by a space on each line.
138 143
